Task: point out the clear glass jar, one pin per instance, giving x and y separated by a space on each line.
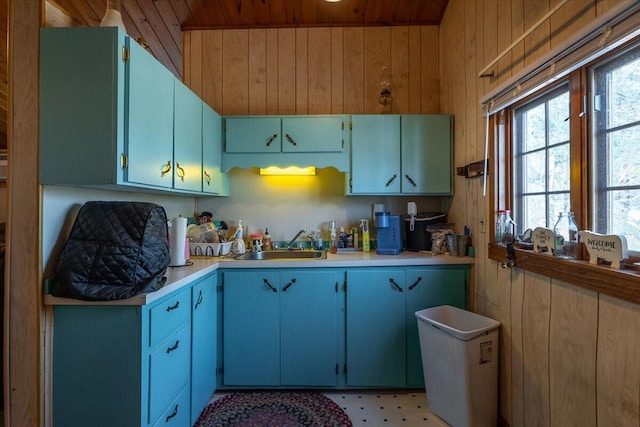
566 235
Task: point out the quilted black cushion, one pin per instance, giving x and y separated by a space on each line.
115 250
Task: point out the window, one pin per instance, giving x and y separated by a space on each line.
615 86
541 167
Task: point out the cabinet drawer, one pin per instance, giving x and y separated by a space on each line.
169 316
169 370
177 414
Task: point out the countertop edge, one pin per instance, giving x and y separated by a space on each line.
178 277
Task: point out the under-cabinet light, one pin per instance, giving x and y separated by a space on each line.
292 170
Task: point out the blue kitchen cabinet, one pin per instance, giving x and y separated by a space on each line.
313 134
280 328
204 306
376 331
283 141
252 134
308 328
106 107
187 139
120 364
383 349
134 365
430 287
426 154
401 154
251 328
375 154
212 177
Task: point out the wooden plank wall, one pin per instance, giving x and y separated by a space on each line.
313 70
568 356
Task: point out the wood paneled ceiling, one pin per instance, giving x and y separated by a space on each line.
160 22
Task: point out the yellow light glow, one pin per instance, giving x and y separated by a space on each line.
292 170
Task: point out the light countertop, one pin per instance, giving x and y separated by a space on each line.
198 267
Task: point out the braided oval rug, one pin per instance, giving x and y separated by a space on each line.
273 408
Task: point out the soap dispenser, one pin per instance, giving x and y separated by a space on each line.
366 245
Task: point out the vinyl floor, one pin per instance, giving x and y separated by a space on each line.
381 408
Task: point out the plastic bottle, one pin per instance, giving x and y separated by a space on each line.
319 244
266 240
342 241
364 224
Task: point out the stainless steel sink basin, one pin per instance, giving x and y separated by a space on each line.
282 255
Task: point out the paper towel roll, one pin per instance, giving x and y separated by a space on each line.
177 238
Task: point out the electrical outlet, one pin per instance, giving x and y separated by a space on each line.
483 225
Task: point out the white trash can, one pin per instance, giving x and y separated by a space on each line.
460 365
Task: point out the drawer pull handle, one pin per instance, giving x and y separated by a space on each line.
207 177
180 171
165 169
288 285
269 285
173 347
393 178
290 139
270 140
171 415
174 306
415 283
395 285
411 181
199 300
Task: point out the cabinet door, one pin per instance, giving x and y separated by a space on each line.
429 287
187 139
252 135
375 154
251 328
211 151
203 344
376 328
427 154
312 134
150 120
308 328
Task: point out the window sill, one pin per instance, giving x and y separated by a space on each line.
623 284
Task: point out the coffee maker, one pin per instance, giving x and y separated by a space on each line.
389 234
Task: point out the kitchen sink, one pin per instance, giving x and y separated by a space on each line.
282 255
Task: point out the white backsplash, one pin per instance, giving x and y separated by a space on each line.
288 204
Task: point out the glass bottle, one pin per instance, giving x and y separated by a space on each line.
504 227
566 235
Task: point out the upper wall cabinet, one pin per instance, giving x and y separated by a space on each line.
261 141
107 115
213 181
401 154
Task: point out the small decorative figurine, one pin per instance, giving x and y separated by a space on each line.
601 247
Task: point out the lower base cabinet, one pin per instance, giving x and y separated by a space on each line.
340 328
280 328
135 365
383 349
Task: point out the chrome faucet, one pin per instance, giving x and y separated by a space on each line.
303 231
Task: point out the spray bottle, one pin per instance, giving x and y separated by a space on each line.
364 224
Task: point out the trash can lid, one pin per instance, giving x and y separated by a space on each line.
461 324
